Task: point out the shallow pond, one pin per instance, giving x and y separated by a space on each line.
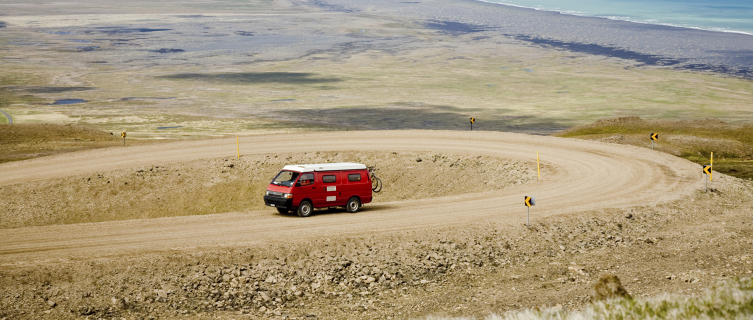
67 101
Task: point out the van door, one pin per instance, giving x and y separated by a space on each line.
330 193
304 188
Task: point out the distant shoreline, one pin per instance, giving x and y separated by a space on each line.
680 48
608 18
718 64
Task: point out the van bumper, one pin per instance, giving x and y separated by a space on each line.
277 202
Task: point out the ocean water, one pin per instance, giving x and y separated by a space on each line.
712 15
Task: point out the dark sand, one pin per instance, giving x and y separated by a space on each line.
655 45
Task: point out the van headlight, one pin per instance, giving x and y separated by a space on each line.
287 195
267 193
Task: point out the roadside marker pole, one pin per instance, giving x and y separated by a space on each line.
238 143
654 136
473 120
706 171
709 170
529 201
538 166
123 134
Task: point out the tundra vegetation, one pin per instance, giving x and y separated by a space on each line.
694 140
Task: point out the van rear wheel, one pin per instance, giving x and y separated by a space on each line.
353 205
305 209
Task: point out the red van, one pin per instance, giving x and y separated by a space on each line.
307 186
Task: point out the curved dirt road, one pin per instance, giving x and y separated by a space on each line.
583 175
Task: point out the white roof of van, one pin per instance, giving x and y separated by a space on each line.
324 167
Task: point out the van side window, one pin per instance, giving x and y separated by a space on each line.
329 178
306 179
354 177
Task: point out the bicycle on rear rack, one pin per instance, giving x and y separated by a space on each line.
376 183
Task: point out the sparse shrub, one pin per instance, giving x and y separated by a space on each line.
732 299
609 287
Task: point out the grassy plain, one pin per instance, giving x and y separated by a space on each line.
424 89
29 140
368 72
732 145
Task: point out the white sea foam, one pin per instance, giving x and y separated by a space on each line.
619 18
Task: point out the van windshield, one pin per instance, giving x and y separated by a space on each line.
285 178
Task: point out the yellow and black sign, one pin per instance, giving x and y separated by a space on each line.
123 134
707 169
530 201
654 136
473 120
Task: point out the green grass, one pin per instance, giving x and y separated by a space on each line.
732 145
25 140
731 299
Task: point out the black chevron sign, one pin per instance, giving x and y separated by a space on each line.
707 169
530 201
654 136
473 120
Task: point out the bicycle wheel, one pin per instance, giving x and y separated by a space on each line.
376 185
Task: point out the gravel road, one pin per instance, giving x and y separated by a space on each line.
585 175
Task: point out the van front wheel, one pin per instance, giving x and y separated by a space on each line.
305 209
353 205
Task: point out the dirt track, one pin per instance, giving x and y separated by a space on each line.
585 175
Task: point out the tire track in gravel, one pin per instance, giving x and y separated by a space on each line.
583 175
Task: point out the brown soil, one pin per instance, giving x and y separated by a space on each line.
467 255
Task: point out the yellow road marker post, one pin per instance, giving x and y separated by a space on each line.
711 176
538 166
238 143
